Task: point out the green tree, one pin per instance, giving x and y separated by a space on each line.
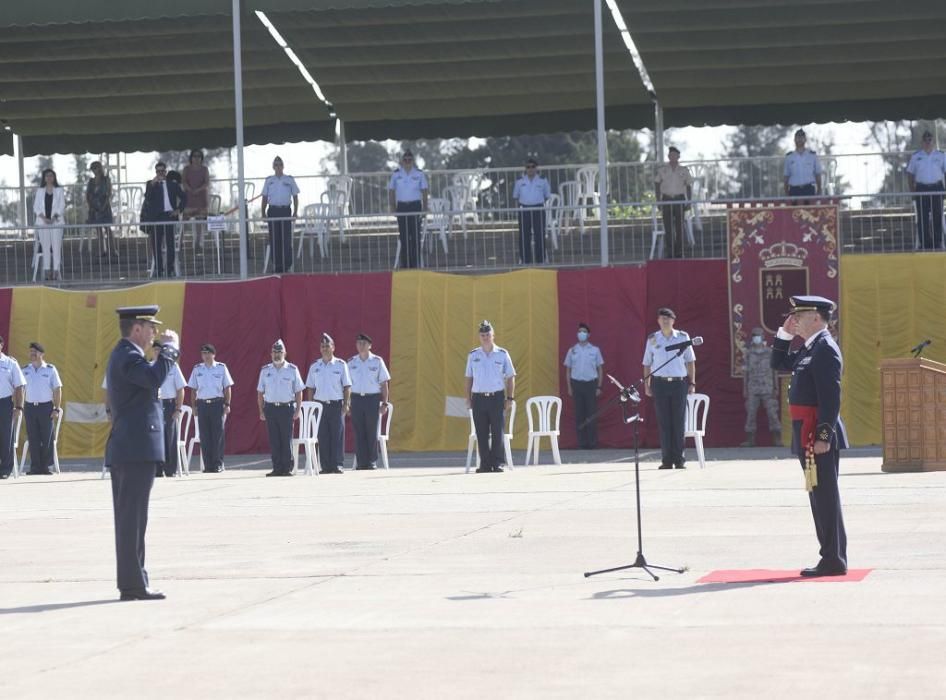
363 157
744 179
176 160
897 140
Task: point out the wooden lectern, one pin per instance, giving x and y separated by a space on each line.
913 405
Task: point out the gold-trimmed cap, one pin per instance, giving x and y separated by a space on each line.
811 303
139 313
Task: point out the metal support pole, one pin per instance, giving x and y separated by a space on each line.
21 171
342 148
238 105
602 135
658 133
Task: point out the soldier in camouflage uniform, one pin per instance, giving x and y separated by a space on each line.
760 386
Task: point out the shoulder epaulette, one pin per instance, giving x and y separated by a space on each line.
789 153
50 364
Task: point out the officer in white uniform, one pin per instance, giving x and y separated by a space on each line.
329 383
531 191
43 402
407 195
210 384
584 373
279 399
669 386
925 172
279 191
11 402
370 382
802 169
171 395
490 387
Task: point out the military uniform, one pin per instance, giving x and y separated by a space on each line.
583 361
669 386
39 410
11 379
170 406
802 171
489 372
280 389
330 383
815 402
408 187
531 193
279 191
367 378
208 385
927 171
760 388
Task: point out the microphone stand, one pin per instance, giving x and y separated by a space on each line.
627 395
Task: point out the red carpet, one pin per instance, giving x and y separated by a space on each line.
777 576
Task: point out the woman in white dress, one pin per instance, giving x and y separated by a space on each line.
49 206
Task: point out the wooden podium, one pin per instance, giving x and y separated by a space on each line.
913 405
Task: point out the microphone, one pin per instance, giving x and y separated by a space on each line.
916 350
696 340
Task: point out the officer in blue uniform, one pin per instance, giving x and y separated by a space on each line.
279 399
490 389
531 191
171 395
818 434
669 386
210 384
135 444
43 403
925 172
584 374
329 383
11 403
279 191
407 195
803 170
370 381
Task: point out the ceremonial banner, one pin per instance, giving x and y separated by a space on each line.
776 252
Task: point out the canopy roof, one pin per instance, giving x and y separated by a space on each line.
139 75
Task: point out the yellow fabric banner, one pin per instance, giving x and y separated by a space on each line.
889 303
78 329
434 326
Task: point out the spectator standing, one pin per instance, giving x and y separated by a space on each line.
673 183
760 386
42 405
329 383
196 184
160 211
98 198
370 381
407 196
531 192
211 391
12 382
925 171
49 206
279 191
668 385
803 170
584 374
490 390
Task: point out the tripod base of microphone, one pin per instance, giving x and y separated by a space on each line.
639 563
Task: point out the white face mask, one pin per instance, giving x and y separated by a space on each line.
582 336
757 340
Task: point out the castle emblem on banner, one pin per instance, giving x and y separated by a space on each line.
782 275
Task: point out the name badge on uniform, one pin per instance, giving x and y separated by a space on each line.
804 363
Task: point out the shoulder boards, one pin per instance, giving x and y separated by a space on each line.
473 350
25 366
503 351
222 364
198 365
289 364
789 153
50 364
353 358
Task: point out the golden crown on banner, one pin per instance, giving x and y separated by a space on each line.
783 254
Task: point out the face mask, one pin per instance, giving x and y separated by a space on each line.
582 336
757 340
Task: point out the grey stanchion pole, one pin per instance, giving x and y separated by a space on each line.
238 106
602 135
21 172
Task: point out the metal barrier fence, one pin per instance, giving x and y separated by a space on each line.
450 240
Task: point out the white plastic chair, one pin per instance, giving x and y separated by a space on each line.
16 439
338 198
507 439
697 411
548 415
384 434
469 182
57 424
456 197
313 464
301 430
691 220
184 421
195 440
437 221
570 211
315 225
587 196
553 218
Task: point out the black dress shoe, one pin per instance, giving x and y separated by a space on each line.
680 466
283 474
41 473
823 570
498 468
367 468
4 476
143 594
213 471
483 470
665 466
273 473
336 470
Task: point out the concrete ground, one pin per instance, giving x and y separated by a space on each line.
422 582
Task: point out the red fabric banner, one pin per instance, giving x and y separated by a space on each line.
6 303
241 319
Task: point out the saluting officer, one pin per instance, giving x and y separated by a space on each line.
818 434
925 172
802 169
584 373
407 195
210 384
490 389
279 398
370 381
669 385
531 191
42 404
329 383
11 402
171 395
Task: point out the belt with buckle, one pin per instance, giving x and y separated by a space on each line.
38 403
363 395
329 402
280 403
669 379
487 393
219 398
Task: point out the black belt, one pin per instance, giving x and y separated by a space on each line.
669 379
333 401
39 403
363 395
166 400
280 403
488 393
210 400
531 205
408 201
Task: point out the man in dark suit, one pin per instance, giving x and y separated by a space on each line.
160 211
136 443
817 431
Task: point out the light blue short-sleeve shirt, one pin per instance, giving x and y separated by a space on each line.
489 370
408 185
583 361
173 382
655 354
328 379
40 382
531 192
368 375
280 384
11 376
279 190
209 382
928 168
802 168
